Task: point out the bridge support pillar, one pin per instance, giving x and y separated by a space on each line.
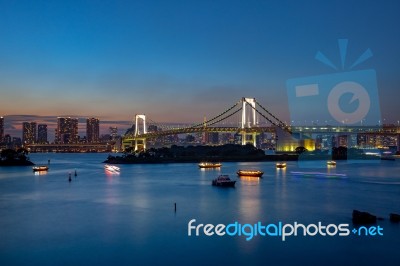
248 123
137 131
143 140
244 136
253 140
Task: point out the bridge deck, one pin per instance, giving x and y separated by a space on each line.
294 130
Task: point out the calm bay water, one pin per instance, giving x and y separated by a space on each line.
101 218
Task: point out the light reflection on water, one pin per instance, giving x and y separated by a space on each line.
129 218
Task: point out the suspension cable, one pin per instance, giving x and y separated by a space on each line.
277 119
225 117
214 118
281 125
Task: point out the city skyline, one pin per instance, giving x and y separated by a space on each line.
177 61
13 125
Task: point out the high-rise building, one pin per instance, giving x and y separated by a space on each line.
113 132
28 133
42 134
211 138
1 129
17 143
67 130
7 138
92 130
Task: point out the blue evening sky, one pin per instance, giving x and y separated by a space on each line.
177 61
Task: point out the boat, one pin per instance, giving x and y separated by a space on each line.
223 181
280 165
40 168
209 165
331 163
253 173
111 168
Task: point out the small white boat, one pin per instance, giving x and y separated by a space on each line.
280 165
40 168
209 165
331 163
111 168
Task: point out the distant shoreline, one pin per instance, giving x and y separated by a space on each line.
196 154
266 158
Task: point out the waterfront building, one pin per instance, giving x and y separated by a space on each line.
113 132
66 131
211 138
28 133
42 134
12 142
92 130
105 138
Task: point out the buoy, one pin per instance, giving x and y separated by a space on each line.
175 206
76 173
69 177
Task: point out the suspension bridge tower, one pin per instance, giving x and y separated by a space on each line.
138 132
248 121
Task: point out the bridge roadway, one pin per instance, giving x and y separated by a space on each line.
295 129
156 134
346 129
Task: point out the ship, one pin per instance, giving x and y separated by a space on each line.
209 165
280 165
223 181
253 173
40 168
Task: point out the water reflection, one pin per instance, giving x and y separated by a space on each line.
281 190
331 169
250 208
249 180
216 169
207 174
37 173
280 172
249 199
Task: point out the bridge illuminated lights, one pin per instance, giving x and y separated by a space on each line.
345 129
248 126
201 130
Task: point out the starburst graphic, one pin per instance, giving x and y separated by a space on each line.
343 51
